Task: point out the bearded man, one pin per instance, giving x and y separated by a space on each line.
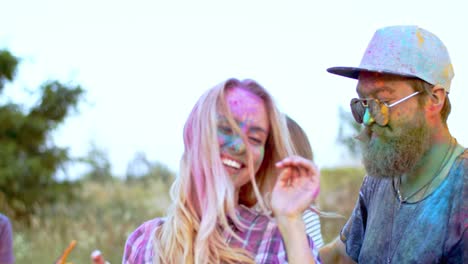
412 206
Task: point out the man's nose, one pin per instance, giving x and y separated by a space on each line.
368 119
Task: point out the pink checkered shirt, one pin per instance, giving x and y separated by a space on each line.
262 238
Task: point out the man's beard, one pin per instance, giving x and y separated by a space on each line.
396 150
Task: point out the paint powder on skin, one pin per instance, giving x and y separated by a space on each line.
249 112
246 110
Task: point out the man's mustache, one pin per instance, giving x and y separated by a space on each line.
364 135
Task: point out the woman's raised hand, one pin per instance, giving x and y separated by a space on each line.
297 186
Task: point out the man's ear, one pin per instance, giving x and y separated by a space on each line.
437 98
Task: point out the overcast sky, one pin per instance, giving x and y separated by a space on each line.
145 63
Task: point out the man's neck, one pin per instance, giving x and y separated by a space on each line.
431 167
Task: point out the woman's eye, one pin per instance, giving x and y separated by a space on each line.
225 129
255 141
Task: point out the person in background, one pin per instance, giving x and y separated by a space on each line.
6 241
303 148
237 152
98 258
413 203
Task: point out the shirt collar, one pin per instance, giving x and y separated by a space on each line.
248 217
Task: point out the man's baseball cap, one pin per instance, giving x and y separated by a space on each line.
407 51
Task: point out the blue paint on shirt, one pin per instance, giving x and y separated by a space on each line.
433 230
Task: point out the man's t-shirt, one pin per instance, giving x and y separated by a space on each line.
433 230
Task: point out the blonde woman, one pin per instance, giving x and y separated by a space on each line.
237 152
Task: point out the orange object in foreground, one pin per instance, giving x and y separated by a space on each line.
65 254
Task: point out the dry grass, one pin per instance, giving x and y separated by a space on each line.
102 220
108 212
339 189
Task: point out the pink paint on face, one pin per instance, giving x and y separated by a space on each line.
250 114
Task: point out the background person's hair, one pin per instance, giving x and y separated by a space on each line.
203 193
303 148
299 139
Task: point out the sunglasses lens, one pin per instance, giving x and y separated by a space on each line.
379 112
357 109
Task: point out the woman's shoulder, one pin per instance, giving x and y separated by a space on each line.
4 224
139 245
3 219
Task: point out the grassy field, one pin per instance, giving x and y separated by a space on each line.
102 220
107 212
339 191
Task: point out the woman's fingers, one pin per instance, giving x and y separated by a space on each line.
294 161
291 160
303 172
285 176
305 166
289 175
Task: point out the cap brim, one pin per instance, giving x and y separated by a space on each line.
350 72
353 72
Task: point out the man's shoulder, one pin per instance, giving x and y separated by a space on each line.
463 157
464 171
460 166
464 154
372 180
372 183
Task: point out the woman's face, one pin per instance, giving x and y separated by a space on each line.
250 114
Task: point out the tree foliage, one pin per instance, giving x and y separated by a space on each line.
140 169
347 131
99 165
8 64
29 159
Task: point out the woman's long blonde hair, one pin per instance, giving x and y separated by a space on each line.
203 194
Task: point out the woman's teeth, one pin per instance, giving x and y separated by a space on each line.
231 163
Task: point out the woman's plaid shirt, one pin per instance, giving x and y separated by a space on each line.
262 238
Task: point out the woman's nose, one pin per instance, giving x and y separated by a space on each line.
237 145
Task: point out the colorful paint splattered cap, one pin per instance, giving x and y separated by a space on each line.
407 51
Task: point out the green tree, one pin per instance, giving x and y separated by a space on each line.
140 169
29 160
99 164
347 131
